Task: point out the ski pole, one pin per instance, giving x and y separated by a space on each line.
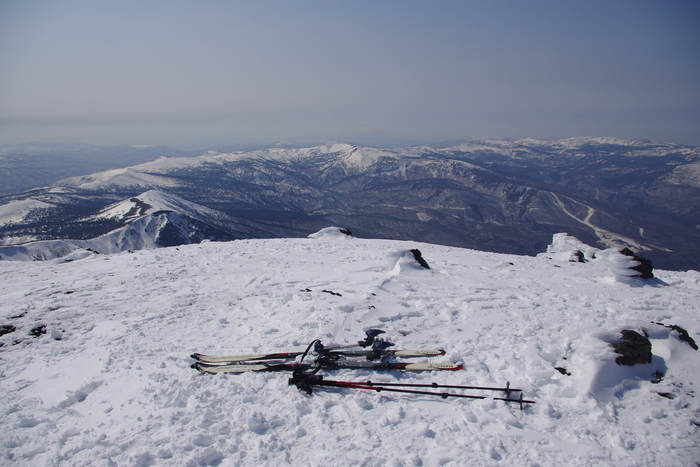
444 395
506 389
376 388
519 400
305 382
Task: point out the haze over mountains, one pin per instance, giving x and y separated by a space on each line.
491 194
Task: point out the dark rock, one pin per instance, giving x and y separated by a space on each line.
644 268
332 293
419 257
6 329
562 370
683 335
38 331
635 349
346 232
577 257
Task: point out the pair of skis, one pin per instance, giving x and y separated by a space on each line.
331 365
375 356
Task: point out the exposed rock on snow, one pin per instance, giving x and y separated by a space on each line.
635 349
419 258
682 335
623 264
644 266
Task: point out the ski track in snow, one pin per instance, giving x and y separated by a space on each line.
110 382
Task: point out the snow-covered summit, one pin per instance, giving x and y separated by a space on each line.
153 201
95 367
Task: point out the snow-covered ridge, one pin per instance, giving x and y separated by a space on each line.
153 201
153 219
130 176
96 368
16 211
155 173
156 230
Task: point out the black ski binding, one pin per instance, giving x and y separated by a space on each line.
369 340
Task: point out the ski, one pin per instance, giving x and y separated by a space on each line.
340 364
370 354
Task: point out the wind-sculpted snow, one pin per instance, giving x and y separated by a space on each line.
108 381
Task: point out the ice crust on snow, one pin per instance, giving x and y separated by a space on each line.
109 382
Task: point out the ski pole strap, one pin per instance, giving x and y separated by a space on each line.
303 377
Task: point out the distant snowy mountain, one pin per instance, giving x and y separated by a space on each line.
30 165
493 195
150 220
95 366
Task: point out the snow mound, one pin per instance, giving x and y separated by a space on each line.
564 247
615 264
405 261
620 266
332 233
76 255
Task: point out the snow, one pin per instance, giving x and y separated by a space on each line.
117 177
141 233
16 211
153 201
110 383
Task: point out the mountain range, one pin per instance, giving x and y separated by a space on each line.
488 194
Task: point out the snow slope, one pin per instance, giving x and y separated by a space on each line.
148 231
153 201
110 383
16 211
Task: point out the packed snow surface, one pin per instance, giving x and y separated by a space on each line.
95 366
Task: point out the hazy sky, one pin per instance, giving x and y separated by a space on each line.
200 72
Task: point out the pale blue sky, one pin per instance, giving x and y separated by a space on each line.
195 73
